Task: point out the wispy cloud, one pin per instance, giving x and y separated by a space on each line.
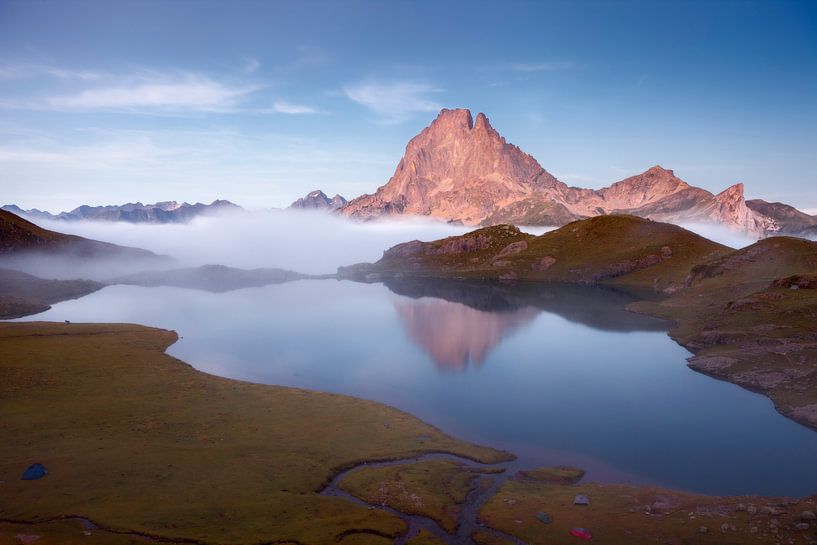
550 66
395 102
187 93
28 71
138 92
284 107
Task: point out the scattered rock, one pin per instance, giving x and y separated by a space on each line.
751 509
543 264
26 538
725 527
741 507
808 515
544 517
513 248
703 530
802 526
581 499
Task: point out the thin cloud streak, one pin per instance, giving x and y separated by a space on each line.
194 93
284 107
28 71
139 92
394 102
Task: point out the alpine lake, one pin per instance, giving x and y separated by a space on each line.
556 374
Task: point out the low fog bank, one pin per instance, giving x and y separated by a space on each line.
311 242
302 241
63 266
721 234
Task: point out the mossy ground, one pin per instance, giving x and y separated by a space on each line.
624 515
434 488
138 441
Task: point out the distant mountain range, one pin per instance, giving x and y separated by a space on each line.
160 212
461 170
317 200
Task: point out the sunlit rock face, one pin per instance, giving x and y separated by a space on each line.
461 169
455 335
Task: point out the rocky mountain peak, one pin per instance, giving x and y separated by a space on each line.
317 200
461 169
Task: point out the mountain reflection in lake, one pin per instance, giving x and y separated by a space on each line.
458 322
555 374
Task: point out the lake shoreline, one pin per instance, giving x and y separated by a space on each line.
122 338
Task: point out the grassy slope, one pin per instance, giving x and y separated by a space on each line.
137 440
745 330
20 235
618 249
617 515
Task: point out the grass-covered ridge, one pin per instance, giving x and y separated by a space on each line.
613 249
138 441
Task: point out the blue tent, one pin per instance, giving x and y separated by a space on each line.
34 472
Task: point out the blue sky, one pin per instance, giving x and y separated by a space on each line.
260 102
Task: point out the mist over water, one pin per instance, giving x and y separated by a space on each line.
313 242
303 241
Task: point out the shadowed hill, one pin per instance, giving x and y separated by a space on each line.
213 278
49 254
622 249
22 294
18 235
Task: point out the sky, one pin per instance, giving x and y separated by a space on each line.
261 102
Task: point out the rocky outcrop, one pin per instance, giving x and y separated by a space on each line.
461 170
317 200
789 219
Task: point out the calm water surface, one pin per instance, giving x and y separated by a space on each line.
557 374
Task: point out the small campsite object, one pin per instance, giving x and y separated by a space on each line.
34 472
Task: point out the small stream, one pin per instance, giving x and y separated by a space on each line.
469 516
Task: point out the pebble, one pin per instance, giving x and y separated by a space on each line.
724 527
751 509
741 507
753 529
703 530
801 525
766 510
808 515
